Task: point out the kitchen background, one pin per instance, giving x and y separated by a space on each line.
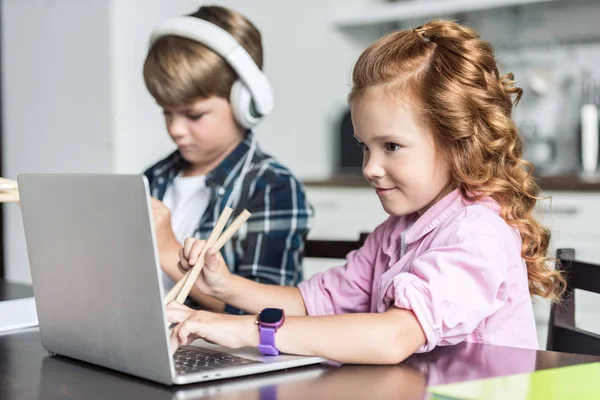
73 99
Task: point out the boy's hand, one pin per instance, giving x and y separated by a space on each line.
165 238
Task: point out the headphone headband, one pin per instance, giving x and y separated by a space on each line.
222 43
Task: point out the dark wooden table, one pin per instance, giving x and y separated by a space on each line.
27 371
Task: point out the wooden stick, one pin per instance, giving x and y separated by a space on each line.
8 184
9 196
212 239
175 290
224 238
9 191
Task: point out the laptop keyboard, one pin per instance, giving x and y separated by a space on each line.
189 359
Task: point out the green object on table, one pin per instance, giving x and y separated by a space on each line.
579 382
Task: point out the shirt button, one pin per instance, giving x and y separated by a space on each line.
221 191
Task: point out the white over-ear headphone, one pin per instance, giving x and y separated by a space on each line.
251 96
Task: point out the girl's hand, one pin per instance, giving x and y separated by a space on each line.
232 331
215 277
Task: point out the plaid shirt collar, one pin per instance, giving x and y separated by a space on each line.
229 168
222 176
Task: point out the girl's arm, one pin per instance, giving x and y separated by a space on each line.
252 297
340 290
377 338
215 280
365 338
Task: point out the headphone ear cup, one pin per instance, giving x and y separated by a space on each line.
242 107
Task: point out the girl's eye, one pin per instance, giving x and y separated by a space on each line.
363 147
392 146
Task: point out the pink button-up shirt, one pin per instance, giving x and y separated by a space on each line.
458 267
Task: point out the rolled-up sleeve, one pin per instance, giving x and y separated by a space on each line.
455 285
346 288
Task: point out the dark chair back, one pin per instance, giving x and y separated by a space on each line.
332 248
563 335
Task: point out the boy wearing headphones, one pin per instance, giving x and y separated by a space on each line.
204 70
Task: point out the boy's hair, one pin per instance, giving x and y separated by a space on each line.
463 101
178 71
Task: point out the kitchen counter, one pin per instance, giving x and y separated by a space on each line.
571 183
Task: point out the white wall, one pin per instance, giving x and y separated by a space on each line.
75 101
138 127
56 98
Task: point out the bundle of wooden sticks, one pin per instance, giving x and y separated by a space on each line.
9 191
216 239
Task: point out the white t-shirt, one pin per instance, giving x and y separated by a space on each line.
187 198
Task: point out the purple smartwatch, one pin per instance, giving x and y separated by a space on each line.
269 320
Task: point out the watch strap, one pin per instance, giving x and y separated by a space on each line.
267 341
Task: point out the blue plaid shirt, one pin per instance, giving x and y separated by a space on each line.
269 248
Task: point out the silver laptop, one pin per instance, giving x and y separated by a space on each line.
96 281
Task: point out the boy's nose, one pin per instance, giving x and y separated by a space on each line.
177 128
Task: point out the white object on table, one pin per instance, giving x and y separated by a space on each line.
17 314
589 138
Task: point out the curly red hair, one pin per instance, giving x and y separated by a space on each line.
452 74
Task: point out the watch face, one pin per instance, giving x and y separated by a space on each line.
271 315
